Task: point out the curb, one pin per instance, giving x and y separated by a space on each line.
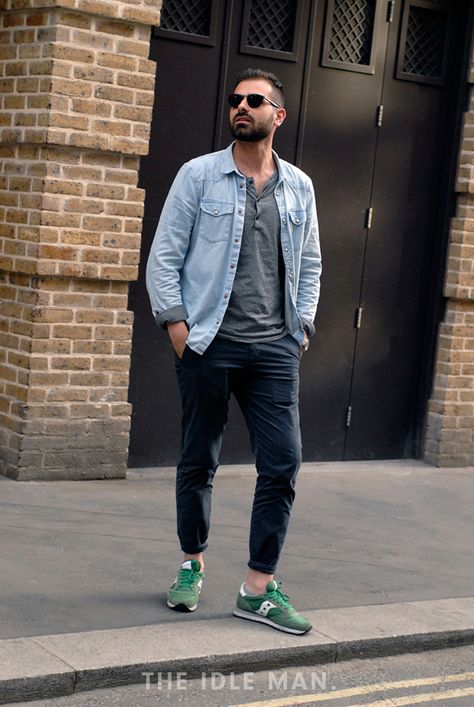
44 667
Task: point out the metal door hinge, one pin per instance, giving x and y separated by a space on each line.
368 217
390 10
349 416
359 312
379 116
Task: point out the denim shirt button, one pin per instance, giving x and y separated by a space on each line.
283 220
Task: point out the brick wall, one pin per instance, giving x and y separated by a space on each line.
76 94
450 425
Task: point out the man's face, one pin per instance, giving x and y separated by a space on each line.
254 124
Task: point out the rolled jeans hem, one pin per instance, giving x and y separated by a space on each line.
261 567
194 551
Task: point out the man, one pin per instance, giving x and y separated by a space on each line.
233 275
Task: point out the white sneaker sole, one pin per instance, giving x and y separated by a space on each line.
263 620
184 607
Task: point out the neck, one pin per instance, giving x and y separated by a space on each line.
254 157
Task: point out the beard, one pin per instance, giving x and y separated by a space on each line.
249 132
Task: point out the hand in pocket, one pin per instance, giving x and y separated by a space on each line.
178 333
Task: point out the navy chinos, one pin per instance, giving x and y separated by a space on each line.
264 378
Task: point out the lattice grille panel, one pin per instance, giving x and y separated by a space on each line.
272 25
351 31
188 16
425 42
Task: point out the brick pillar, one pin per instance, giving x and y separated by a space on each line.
450 427
76 92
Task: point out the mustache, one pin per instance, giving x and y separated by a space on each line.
242 114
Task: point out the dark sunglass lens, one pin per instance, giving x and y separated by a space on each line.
235 99
255 100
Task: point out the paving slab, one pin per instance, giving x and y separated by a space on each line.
106 658
372 630
88 555
48 666
29 671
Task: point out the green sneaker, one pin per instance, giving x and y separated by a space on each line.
183 594
272 608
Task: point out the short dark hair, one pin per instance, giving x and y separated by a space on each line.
272 79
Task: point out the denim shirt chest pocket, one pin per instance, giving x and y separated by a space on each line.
296 224
215 220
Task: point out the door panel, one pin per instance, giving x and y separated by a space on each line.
338 153
193 81
292 36
399 261
186 101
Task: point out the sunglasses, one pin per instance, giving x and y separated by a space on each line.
254 100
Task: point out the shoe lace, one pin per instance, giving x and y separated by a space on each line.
280 598
185 578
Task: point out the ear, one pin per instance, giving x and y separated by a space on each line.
280 116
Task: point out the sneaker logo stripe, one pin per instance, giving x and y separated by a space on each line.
265 607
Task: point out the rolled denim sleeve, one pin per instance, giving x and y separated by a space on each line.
310 271
169 249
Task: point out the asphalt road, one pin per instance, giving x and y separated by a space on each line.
444 677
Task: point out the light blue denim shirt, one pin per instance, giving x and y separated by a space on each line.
194 255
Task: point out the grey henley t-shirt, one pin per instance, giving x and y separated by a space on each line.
256 305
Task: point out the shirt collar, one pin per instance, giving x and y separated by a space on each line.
228 164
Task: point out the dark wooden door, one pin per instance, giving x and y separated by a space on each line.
377 174
374 142
184 117
407 198
338 151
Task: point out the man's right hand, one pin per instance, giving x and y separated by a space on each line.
178 333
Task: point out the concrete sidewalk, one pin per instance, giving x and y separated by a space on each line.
380 555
